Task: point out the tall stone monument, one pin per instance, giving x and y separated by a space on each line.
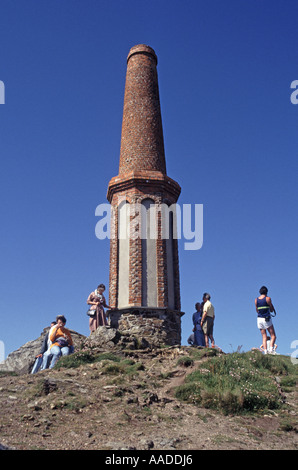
144 286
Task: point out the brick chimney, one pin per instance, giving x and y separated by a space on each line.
144 287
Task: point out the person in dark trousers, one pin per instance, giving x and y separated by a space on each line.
44 347
199 339
264 308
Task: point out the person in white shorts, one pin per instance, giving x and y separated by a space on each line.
264 307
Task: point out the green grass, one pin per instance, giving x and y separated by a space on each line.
125 367
84 357
4 373
238 382
197 353
112 364
185 361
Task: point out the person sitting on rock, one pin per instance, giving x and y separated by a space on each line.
44 347
62 343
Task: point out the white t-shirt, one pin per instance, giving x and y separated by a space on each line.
50 331
209 309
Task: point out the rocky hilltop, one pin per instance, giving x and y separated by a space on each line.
21 361
113 394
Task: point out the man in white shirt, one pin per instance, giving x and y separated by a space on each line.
207 321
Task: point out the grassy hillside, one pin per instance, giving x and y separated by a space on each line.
167 399
237 383
230 383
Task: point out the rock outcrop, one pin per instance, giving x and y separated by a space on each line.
104 338
112 338
21 361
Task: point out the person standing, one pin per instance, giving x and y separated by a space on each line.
207 322
264 307
97 301
199 339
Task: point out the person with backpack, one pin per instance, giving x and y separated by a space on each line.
264 308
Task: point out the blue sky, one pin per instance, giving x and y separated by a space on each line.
231 140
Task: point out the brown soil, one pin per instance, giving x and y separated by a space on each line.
82 408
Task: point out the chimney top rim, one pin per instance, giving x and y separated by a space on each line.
142 49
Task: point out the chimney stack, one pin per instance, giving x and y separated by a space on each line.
144 285
142 145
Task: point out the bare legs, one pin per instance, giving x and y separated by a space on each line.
272 338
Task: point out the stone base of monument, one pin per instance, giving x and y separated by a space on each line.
147 327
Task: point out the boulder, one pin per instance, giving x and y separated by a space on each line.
21 361
103 337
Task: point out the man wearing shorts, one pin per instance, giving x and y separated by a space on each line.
264 306
207 321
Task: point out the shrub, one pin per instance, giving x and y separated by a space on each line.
112 369
190 392
185 361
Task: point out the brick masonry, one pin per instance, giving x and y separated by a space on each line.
142 145
142 175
